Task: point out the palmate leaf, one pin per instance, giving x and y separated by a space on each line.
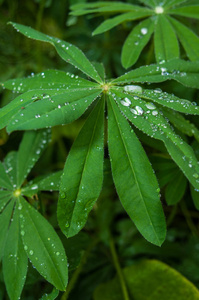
188 39
83 174
15 261
44 183
5 216
151 121
66 51
166 43
130 16
30 150
136 41
186 11
185 72
84 8
4 179
134 179
49 79
45 250
54 110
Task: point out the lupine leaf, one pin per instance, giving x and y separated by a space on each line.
4 179
5 196
10 163
30 149
171 101
45 183
136 41
182 71
49 79
45 250
152 122
15 261
137 190
170 3
166 43
150 3
188 39
5 216
112 7
110 23
175 189
186 11
82 179
66 51
56 110
182 124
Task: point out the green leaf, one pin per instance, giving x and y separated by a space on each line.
49 79
30 149
175 189
171 101
195 196
5 216
150 3
170 3
10 164
45 183
45 250
66 51
186 11
56 110
15 261
149 280
53 295
5 196
188 39
182 124
112 7
182 71
4 178
82 179
110 23
137 190
136 41
152 122
166 43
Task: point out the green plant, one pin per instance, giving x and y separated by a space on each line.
167 30
118 111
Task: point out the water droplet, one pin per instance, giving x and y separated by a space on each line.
144 31
67 224
195 175
31 252
133 88
63 195
57 253
150 106
155 113
126 102
22 232
159 9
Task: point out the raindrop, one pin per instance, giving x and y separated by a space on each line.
144 31
31 252
63 195
133 88
57 253
125 102
195 175
155 113
150 106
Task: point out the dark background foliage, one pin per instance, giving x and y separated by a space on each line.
89 253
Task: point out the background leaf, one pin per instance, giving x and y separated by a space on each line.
147 278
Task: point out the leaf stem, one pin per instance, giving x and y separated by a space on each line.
119 270
77 272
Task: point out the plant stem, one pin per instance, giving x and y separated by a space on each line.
188 218
77 272
172 215
119 270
